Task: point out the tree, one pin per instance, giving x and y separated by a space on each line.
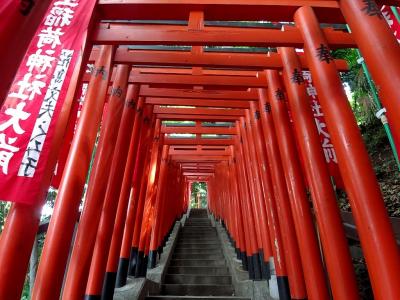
201 189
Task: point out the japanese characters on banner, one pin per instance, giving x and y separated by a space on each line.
71 128
392 20
31 110
329 151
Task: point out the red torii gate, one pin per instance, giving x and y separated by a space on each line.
247 96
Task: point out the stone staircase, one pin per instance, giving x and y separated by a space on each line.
197 269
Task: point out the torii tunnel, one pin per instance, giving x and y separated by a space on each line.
184 91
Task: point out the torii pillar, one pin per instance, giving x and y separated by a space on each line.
381 52
370 215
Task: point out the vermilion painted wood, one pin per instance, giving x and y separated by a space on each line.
273 10
205 174
277 249
129 34
198 141
198 172
182 70
110 205
179 70
144 225
290 242
250 94
381 51
210 158
151 191
333 239
124 195
195 169
192 80
370 215
138 179
197 166
246 207
263 238
198 178
248 61
160 202
305 229
198 111
55 252
205 118
198 130
78 267
199 148
199 153
198 102
22 220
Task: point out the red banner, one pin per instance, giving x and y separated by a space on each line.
34 102
329 151
392 20
71 127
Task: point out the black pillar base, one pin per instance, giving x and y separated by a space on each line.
164 241
145 264
160 251
107 292
122 274
283 287
250 265
265 270
257 266
92 297
133 261
243 257
238 255
139 264
152 259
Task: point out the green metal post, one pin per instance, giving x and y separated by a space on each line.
378 104
396 13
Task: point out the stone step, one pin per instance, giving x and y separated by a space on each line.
197 235
197 279
197 289
201 233
188 235
199 245
194 230
195 251
198 226
198 256
188 230
204 240
198 270
167 297
204 244
197 263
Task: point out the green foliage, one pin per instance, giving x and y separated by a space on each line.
201 189
4 209
362 103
